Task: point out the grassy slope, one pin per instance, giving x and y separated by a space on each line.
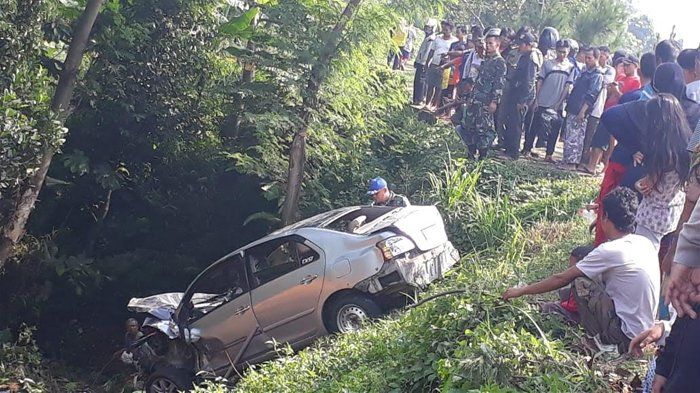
513 223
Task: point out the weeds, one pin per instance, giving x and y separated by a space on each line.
509 231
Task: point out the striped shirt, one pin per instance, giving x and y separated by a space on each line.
554 76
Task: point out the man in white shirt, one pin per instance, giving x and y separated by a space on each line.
616 286
436 56
421 62
689 60
553 85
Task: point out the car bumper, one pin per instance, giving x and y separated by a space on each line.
427 267
417 270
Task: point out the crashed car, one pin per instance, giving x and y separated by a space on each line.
322 275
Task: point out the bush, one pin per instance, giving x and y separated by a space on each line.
472 341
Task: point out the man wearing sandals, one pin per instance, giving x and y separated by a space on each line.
579 105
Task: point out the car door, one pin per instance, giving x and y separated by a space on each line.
286 277
220 313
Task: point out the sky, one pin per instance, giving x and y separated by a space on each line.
685 14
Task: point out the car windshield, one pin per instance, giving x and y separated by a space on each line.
219 284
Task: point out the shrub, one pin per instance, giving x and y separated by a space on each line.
473 340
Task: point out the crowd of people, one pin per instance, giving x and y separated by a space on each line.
633 119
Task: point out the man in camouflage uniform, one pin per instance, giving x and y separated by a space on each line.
382 196
477 127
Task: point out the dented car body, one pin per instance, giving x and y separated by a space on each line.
321 275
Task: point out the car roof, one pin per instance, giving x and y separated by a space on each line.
319 221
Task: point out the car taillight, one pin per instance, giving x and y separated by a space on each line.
395 246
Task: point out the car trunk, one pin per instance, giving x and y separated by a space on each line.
422 224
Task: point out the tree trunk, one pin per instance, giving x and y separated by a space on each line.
14 228
297 153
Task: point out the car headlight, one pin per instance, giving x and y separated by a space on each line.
395 246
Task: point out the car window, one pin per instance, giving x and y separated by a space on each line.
306 254
220 284
276 258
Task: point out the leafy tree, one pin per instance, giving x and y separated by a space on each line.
641 29
600 22
24 129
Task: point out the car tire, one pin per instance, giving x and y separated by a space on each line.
169 380
347 312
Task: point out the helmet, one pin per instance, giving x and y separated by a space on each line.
573 45
548 38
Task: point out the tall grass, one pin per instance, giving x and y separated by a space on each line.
473 341
475 220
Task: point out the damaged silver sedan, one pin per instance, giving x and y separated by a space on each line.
326 274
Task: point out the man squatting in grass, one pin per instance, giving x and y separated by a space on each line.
616 286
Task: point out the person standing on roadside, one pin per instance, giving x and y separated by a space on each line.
666 163
398 42
553 85
579 104
691 72
602 144
436 58
521 91
676 365
407 50
456 55
573 56
609 76
510 54
422 62
477 129
666 51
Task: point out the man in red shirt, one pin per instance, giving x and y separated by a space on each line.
628 81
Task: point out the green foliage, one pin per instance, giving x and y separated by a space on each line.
174 159
596 22
600 22
472 341
27 126
642 36
240 26
21 364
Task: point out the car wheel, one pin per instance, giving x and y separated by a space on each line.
349 312
169 380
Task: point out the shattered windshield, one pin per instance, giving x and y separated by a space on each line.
218 285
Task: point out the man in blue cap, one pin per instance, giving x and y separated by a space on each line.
382 196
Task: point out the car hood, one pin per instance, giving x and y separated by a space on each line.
162 308
423 224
